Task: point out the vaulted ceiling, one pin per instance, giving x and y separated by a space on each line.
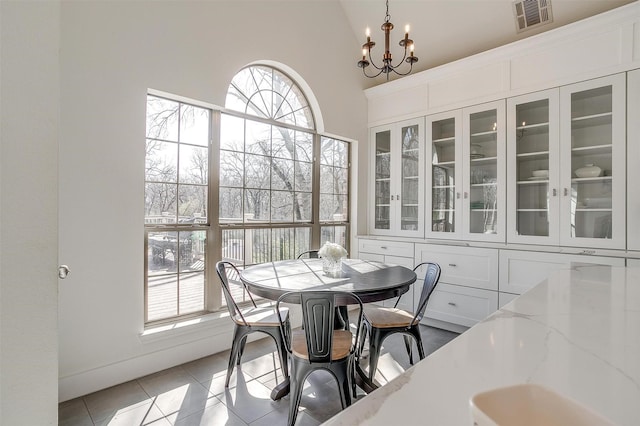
447 30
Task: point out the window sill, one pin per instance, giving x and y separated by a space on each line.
217 321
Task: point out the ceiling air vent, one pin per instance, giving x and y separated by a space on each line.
532 13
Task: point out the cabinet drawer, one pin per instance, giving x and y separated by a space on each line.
468 266
461 305
394 248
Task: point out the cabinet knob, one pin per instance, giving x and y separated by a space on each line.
452 304
392 198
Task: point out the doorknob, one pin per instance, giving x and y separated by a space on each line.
63 271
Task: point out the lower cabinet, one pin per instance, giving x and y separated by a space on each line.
391 252
468 288
522 270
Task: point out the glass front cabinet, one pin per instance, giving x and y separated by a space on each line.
566 167
397 181
466 173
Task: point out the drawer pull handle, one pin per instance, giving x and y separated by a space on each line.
383 247
452 304
453 265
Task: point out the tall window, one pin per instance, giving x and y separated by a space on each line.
277 189
176 206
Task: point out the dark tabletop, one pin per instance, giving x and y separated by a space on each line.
371 281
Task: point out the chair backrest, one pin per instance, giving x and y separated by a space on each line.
318 312
431 278
234 311
311 254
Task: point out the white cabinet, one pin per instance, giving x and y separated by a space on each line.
398 184
592 157
467 173
522 270
633 159
566 168
391 252
533 204
467 290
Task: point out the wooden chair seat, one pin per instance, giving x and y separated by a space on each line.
261 316
342 340
380 317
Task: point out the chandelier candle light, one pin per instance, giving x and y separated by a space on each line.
332 255
387 65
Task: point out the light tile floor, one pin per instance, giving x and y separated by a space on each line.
194 393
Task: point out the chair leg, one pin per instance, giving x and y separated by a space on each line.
418 337
344 384
282 352
298 376
233 356
241 349
375 344
409 345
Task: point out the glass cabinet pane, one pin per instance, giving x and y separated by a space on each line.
483 167
383 179
443 168
532 168
410 188
591 163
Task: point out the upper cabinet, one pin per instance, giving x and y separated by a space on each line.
398 184
633 159
532 169
466 174
592 163
566 168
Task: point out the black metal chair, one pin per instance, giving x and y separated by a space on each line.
311 254
250 320
380 322
318 345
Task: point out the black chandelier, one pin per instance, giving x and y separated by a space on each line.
387 66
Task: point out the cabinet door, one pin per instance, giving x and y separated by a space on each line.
484 168
633 159
592 135
444 199
532 168
382 165
397 184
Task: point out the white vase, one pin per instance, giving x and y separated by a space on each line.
589 170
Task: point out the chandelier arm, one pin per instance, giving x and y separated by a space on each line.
374 65
402 74
373 75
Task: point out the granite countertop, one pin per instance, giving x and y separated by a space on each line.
577 333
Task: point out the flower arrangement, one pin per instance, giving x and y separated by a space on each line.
332 251
332 254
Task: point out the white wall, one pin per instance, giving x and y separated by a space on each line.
111 53
29 126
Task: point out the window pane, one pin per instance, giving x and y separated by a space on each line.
334 234
302 207
257 205
304 147
162 118
192 203
282 174
303 176
283 145
161 161
231 133
194 125
230 205
194 164
281 206
258 171
258 138
231 168
160 203
161 297
191 295
233 246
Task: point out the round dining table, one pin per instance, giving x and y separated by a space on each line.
371 281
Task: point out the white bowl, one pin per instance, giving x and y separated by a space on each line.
540 173
528 405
